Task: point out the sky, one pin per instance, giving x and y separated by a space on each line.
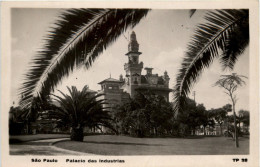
163 37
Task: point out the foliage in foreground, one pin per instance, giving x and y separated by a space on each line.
146 114
81 35
77 39
225 35
79 109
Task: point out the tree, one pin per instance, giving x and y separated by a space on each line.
79 37
79 109
16 122
185 119
145 114
225 35
220 115
138 123
230 83
119 118
227 108
204 117
193 116
132 117
243 116
23 117
82 34
158 112
207 120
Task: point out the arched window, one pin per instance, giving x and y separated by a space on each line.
135 81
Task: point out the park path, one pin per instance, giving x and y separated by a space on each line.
42 147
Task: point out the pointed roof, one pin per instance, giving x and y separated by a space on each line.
110 80
133 46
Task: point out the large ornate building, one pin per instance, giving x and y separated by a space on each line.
117 91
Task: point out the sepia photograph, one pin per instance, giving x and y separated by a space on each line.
130 82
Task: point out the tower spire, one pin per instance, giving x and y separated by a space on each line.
133 45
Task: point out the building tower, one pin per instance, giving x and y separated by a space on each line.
133 68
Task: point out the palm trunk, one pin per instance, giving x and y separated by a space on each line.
221 133
76 134
235 124
193 131
227 127
26 127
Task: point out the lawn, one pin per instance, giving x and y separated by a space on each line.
25 138
123 145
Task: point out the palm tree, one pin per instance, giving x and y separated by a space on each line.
79 109
79 36
82 34
230 83
225 35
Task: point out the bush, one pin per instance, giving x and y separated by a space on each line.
15 128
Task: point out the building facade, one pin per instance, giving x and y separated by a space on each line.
117 91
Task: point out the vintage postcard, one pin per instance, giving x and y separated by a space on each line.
130 83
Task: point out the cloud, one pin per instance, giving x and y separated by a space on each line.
170 59
167 61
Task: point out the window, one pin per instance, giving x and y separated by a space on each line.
135 81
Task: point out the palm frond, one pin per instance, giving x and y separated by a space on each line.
192 11
79 107
230 82
79 37
216 38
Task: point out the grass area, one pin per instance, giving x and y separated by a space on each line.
123 145
25 138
